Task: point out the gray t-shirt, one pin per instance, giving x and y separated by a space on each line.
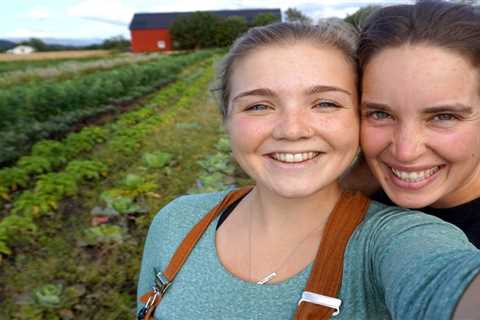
399 264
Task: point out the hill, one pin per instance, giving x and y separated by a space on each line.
5 45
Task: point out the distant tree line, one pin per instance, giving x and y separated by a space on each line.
205 30
118 43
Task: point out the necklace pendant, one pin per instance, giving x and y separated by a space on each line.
267 278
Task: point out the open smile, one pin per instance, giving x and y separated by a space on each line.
294 157
414 178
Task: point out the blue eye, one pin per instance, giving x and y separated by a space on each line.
257 107
378 115
444 117
327 104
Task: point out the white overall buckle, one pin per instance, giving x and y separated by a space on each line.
322 300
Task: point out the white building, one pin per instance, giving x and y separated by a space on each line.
21 50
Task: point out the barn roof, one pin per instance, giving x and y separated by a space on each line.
165 20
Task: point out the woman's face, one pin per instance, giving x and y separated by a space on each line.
292 117
421 125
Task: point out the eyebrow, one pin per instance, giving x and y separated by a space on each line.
458 108
374 105
265 92
320 89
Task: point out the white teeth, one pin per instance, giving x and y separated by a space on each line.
415 176
294 157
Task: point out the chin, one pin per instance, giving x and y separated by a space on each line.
293 191
409 201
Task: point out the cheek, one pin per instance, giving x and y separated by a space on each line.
340 130
243 133
457 147
374 139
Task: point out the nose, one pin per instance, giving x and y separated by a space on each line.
293 125
407 143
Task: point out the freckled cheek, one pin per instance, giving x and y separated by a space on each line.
342 132
244 135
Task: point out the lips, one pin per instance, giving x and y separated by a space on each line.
294 157
415 176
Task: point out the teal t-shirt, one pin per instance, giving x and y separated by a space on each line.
399 264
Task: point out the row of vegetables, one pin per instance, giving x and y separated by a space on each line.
33 112
71 68
56 169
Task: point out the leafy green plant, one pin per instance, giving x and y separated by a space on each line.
135 185
13 178
49 295
4 194
223 145
157 160
10 227
104 233
125 205
210 183
218 162
58 185
34 164
34 204
86 170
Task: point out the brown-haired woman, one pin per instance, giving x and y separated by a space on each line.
290 106
421 109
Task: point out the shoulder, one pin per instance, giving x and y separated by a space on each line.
400 233
394 220
172 223
185 211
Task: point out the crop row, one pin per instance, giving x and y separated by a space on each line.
51 188
69 68
15 65
51 155
32 113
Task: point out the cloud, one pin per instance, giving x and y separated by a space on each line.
111 10
327 12
40 13
107 21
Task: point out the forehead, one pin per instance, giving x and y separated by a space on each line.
290 66
419 75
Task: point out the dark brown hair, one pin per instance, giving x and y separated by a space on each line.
334 33
442 24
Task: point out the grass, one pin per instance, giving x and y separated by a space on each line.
54 55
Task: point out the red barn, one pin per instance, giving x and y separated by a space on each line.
150 31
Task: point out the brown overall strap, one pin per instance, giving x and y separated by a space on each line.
187 245
326 275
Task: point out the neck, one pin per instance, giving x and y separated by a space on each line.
273 213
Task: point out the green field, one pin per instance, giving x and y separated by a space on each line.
75 209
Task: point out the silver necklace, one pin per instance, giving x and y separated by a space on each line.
273 274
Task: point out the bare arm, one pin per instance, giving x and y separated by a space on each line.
468 307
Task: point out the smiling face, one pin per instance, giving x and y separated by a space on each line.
292 117
421 125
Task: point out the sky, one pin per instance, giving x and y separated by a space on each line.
87 19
